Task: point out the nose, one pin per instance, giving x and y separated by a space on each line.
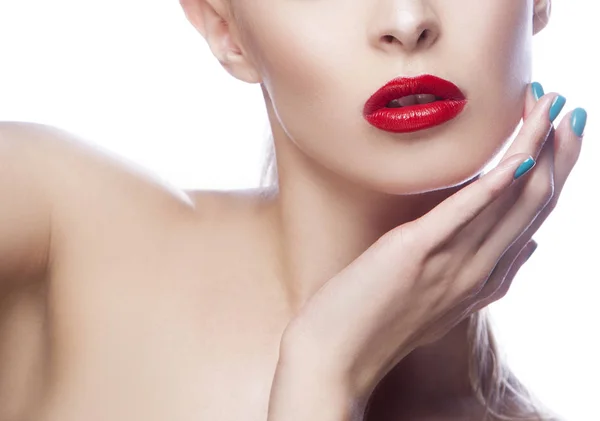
407 25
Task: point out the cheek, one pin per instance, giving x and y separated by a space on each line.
313 76
496 55
289 47
308 78
501 54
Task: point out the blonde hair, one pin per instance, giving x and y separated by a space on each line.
494 385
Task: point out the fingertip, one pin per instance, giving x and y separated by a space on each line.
578 121
524 168
512 162
537 90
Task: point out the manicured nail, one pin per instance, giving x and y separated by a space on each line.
578 120
524 167
538 90
557 106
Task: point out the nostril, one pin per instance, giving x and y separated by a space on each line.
425 35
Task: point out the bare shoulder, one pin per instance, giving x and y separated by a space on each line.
129 253
93 191
73 164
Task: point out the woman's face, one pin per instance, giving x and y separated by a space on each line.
320 60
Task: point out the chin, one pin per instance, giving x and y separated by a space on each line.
441 162
432 176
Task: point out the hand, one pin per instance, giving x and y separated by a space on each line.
422 278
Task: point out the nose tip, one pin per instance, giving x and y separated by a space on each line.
419 38
408 29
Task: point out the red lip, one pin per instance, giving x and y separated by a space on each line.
414 117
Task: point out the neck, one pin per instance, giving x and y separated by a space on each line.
316 241
320 222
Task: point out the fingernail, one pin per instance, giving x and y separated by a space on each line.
557 106
524 167
578 120
538 90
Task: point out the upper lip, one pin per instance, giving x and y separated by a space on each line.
405 86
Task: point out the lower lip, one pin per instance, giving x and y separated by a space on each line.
415 117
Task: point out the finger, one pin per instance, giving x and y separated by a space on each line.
567 148
536 194
498 285
450 217
541 187
534 92
531 139
537 123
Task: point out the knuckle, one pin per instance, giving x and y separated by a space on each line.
552 203
569 151
397 238
491 190
543 191
549 193
475 286
496 288
410 237
565 151
402 245
501 293
487 293
498 292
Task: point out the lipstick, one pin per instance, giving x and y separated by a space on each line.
409 104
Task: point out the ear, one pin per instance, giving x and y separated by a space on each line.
214 20
541 14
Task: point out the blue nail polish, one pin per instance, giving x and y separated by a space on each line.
557 106
538 90
524 167
578 120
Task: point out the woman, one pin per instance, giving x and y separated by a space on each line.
351 290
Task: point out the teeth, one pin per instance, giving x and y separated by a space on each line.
412 100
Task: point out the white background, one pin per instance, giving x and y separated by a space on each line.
136 78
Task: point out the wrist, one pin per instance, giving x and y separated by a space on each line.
300 393
302 351
306 387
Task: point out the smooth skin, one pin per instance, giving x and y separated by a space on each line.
159 304
422 278
138 317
